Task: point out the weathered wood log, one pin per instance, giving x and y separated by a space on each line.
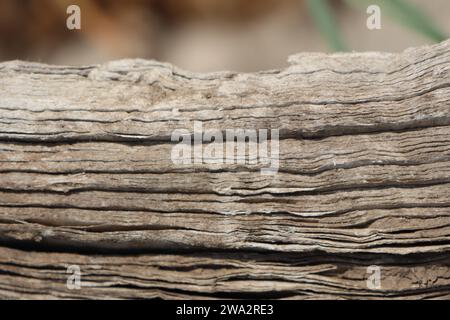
220 275
87 179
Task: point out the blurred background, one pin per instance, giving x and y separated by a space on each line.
211 35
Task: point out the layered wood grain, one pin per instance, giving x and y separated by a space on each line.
86 178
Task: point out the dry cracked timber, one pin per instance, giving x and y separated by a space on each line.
86 179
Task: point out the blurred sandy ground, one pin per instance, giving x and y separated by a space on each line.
198 35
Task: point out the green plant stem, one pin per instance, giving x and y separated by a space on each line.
325 20
407 14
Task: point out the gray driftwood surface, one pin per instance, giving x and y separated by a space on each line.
86 179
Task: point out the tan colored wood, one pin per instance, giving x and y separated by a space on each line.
86 179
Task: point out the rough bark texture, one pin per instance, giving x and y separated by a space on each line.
86 179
